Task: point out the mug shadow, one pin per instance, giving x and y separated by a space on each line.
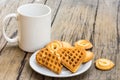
15 46
12 47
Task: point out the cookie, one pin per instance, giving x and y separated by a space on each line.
72 58
50 60
84 43
104 64
54 45
89 56
66 44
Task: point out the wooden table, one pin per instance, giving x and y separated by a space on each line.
72 20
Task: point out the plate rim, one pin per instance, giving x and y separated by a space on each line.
58 76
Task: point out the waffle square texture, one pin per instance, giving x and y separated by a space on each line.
50 60
72 58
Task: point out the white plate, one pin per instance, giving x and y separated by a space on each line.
65 73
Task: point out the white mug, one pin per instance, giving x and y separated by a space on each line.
34 26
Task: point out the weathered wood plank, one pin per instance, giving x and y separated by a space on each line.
94 20
32 75
7 7
74 21
4 11
117 71
105 38
54 5
10 62
27 73
11 57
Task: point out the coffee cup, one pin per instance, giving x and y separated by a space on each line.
34 26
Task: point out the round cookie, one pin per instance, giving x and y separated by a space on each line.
89 56
54 45
104 64
84 43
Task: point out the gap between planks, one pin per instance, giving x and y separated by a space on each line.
23 61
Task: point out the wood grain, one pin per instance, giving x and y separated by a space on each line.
11 57
74 21
105 37
94 20
10 62
117 71
54 4
74 18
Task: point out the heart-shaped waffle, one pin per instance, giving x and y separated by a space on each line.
50 60
72 58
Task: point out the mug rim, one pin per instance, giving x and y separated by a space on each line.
19 12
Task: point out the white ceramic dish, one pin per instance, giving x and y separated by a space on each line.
65 73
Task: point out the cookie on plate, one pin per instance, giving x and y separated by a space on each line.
84 43
54 45
89 56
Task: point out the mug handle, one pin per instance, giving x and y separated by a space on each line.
13 15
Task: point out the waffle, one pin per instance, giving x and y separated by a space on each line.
54 45
50 60
104 64
40 55
89 56
84 43
66 44
72 57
